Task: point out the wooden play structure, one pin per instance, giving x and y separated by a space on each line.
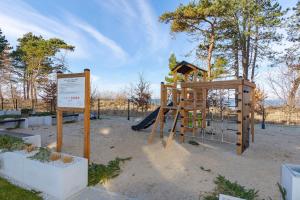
189 94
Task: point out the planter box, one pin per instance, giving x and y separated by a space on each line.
10 112
40 121
27 138
290 180
55 178
33 139
226 197
67 118
14 123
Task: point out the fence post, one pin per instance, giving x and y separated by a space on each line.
16 104
32 104
128 109
51 104
98 109
2 104
263 124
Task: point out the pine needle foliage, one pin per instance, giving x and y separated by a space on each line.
225 186
100 173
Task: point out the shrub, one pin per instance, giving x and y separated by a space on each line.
99 173
42 155
10 143
224 186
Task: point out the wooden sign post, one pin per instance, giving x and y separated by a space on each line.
73 95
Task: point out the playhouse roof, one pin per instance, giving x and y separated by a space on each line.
184 68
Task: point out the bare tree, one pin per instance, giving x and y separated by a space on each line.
283 86
49 94
141 94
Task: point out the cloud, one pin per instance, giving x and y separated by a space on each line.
19 18
139 16
103 40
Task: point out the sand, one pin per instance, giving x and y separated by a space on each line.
174 173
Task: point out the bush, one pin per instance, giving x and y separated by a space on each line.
42 155
10 143
224 186
99 173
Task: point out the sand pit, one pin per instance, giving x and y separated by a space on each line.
175 173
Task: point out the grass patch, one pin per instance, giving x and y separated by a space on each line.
224 186
9 191
99 173
10 143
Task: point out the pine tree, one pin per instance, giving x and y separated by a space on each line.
172 65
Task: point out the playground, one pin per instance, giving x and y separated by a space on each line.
182 171
150 100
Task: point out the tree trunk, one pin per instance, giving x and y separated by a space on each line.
293 92
255 53
235 50
210 50
24 86
1 94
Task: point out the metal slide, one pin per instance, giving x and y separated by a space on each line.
149 120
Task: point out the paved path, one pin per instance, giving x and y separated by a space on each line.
97 193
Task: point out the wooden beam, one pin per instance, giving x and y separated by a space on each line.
75 75
173 129
230 84
153 132
239 140
252 112
87 147
59 129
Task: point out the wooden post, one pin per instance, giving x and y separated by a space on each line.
163 104
59 122
203 111
86 152
128 109
239 140
98 110
252 112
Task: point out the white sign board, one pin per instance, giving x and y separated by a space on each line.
70 92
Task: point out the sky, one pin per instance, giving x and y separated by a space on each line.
116 39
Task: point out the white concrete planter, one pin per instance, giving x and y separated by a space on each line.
226 197
40 121
10 112
10 123
290 180
33 139
54 178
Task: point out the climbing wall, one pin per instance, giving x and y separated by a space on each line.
243 134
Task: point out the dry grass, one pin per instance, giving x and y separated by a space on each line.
55 156
67 159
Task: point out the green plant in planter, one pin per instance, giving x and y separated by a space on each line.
224 186
99 173
10 143
42 155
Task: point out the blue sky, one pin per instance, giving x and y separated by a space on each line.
116 39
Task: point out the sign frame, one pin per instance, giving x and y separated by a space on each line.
85 110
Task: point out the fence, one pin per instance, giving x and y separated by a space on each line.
99 107
123 107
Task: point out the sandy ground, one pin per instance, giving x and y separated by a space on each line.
174 173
